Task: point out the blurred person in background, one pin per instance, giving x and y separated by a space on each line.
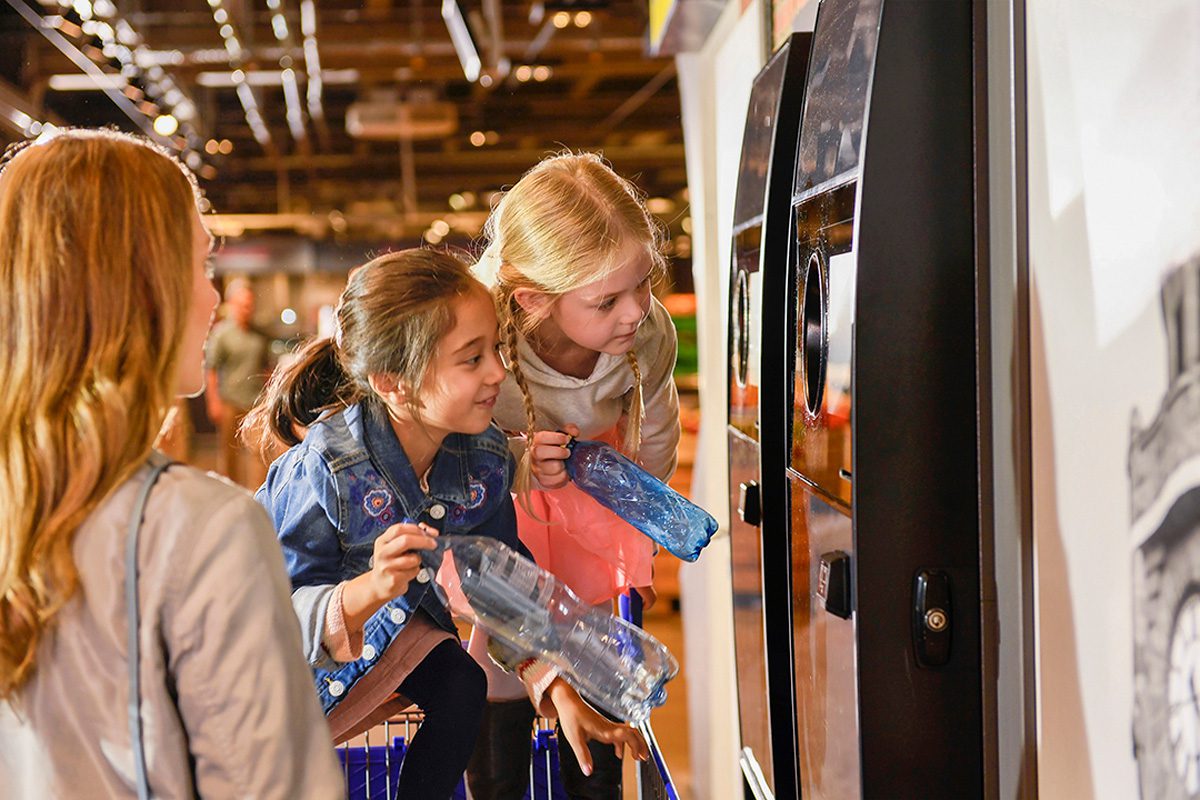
238 366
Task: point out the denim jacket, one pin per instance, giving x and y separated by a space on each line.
331 495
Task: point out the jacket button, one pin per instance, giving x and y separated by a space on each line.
437 511
398 616
336 688
368 652
424 575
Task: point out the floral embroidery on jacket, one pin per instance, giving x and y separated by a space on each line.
378 503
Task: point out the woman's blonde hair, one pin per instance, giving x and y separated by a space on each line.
391 316
565 224
96 262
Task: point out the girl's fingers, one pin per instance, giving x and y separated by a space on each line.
583 756
550 438
550 452
399 529
404 543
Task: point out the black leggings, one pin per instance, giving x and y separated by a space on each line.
451 689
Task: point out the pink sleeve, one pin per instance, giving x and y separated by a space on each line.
341 644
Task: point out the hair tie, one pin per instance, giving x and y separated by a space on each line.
487 269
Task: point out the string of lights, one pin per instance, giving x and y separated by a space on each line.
233 47
94 35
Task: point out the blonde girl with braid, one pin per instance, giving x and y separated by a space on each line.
571 257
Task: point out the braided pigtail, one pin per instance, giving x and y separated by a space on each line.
637 410
523 480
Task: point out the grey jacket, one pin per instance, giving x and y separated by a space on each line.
218 633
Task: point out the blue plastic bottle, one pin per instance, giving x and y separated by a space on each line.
641 499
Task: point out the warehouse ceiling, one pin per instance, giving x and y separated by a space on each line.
365 119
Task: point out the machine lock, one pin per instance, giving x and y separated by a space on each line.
750 503
833 583
932 618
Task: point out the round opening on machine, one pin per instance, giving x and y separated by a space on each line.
812 332
741 329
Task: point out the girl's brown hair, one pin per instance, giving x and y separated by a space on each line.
96 270
391 316
564 225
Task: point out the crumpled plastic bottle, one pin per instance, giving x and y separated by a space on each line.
617 666
641 499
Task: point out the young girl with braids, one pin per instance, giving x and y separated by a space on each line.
398 443
571 258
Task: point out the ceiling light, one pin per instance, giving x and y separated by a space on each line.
279 25
561 20
541 73
478 138
524 73
165 125
460 36
583 19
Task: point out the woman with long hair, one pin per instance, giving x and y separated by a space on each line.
172 666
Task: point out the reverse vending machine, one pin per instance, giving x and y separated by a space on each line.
761 593
877 330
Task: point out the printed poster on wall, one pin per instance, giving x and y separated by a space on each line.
1114 224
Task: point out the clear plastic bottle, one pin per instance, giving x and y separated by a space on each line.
618 667
641 499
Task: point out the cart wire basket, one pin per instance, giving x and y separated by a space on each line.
371 769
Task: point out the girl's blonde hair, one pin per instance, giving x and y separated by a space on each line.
96 270
564 225
391 316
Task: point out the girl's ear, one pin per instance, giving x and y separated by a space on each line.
389 389
532 302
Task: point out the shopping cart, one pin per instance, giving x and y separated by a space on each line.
371 770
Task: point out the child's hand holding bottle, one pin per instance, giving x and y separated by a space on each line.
548 456
394 565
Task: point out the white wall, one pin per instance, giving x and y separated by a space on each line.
1114 170
714 88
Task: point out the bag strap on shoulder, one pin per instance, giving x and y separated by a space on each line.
158 464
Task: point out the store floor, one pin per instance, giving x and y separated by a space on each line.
664 621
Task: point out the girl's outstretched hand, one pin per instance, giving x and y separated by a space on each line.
581 723
548 456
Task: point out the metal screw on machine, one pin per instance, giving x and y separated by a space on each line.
931 618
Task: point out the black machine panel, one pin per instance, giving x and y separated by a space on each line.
879 409
760 593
